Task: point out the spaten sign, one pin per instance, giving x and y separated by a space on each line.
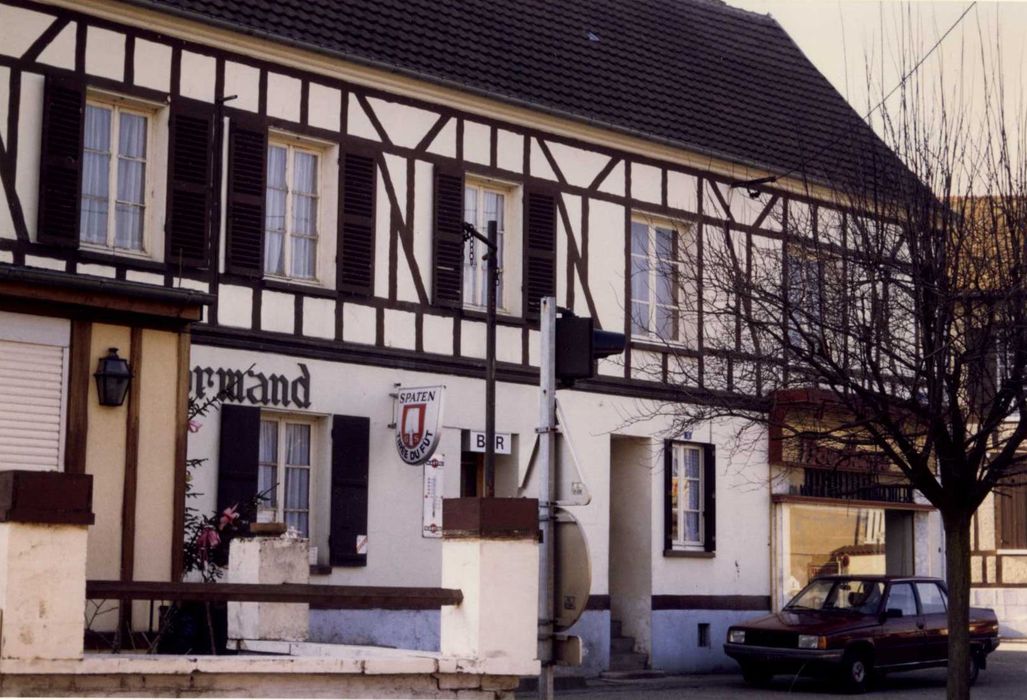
418 422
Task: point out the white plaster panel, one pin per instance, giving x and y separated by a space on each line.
30 123
579 167
196 285
45 263
324 106
508 344
744 209
400 329
534 349
277 312
405 125
19 28
711 205
561 258
319 317
572 203
423 224
437 334
357 123
153 65
646 365
472 339
682 191
444 143
144 277
775 218
383 215
539 163
358 324
800 218
477 142
613 183
284 94
235 306
61 51
5 96
97 270
406 290
646 183
197 76
509 151
244 82
6 256
105 53
606 271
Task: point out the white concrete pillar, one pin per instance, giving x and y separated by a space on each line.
490 553
44 517
268 560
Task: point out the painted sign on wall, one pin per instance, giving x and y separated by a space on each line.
477 441
251 386
418 422
433 470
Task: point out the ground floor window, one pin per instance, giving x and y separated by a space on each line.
690 497
284 470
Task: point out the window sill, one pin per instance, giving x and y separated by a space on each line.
119 252
688 554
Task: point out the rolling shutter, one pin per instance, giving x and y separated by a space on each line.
350 459
190 177
709 463
60 165
448 258
539 250
356 272
247 172
31 402
238 455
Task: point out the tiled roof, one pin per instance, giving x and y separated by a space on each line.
693 73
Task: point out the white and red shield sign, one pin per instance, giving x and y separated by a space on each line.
418 422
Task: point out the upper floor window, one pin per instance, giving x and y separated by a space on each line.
483 204
656 279
114 176
292 207
804 297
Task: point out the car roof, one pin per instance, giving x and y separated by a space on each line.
884 578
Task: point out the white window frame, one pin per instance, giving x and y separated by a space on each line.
276 508
652 264
153 177
680 482
292 144
509 194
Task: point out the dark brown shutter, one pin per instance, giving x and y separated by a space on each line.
247 172
709 463
668 485
539 250
356 267
448 267
1011 507
238 455
191 179
350 458
60 165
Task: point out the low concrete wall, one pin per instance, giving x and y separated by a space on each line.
403 629
594 629
1009 604
676 639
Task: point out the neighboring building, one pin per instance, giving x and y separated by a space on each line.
309 167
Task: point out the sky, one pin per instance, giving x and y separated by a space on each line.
844 37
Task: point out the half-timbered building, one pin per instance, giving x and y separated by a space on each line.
267 200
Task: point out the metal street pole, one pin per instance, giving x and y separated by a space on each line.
546 477
492 268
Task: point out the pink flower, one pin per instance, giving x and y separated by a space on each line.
194 426
229 516
206 541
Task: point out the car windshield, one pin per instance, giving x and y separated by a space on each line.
849 595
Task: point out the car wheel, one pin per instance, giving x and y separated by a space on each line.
856 670
975 666
756 674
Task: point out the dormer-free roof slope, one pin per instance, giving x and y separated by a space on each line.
697 74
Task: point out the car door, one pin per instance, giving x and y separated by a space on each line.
900 638
936 623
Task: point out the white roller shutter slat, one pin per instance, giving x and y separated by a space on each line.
31 396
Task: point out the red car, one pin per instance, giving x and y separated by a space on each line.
851 627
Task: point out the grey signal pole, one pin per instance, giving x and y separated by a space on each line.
546 480
492 270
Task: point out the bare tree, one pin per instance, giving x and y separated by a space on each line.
875 320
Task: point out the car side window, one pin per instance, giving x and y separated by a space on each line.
900 597
931 600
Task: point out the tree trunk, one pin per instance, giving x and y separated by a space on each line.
957 573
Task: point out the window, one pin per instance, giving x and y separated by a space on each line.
932 601
114 176
292 207
804 299
690 503
482 204
285 450
901 598
656 277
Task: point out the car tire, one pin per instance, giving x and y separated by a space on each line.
756 674
855 671
975 666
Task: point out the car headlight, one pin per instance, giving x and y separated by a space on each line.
812 641
736 636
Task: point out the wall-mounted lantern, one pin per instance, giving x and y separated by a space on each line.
113 376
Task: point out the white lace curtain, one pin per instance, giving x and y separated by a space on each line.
102 125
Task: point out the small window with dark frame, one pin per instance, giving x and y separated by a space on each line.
687 498
483 202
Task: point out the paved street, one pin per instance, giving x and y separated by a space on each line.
1006 678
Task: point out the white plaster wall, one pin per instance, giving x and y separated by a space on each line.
235 306
283 96
277 312
358 324
197 76
646 183
405 125
324 107
614 183
477 142
400 329
509 150
61 51
30 124
357 122
19 28
444 143
319 317
438 334
105 53
243 81
540 166
153 65
579 166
